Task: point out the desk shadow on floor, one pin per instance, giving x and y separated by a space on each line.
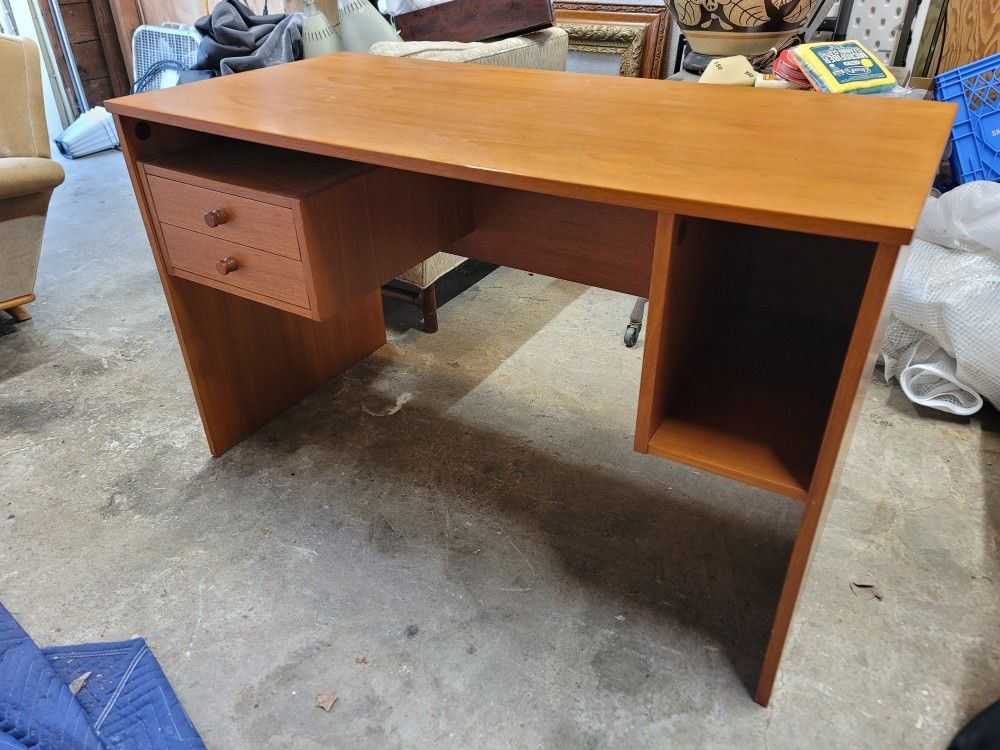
981 673
674 552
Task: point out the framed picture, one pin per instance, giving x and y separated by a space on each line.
615 38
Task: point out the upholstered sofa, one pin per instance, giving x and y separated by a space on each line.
27 173
546 50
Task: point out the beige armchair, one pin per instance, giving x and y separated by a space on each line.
27 173
545 50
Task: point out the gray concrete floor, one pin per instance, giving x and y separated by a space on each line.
489 566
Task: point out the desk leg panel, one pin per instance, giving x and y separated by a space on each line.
758 348
873 316
247 362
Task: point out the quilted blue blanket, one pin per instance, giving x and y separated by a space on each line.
123 698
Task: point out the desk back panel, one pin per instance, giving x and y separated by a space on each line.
591 243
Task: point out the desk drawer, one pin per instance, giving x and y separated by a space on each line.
235 268
307 234
245 221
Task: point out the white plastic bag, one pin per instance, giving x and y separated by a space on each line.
967 218
943 341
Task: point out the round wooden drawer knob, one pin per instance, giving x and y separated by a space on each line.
226 265
216 217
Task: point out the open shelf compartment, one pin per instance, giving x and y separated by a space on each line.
745 348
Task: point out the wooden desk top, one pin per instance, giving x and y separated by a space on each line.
849 166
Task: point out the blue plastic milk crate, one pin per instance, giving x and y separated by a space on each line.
975 136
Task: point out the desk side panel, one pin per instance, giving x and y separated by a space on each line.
366 232
873 316
247 362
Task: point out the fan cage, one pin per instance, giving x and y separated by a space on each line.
155 44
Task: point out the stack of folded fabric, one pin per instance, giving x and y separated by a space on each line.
843 68
235 39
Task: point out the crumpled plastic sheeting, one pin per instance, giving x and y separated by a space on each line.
943 340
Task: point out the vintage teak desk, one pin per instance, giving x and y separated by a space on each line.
764 226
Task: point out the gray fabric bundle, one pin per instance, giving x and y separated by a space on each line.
236 39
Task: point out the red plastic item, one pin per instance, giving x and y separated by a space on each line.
787 69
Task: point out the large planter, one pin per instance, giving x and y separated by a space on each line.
739 27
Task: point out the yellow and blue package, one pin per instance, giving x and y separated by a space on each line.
843 68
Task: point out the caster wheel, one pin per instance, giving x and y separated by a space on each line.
631 335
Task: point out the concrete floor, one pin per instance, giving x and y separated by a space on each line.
491 565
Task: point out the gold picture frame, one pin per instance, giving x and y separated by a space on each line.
636 33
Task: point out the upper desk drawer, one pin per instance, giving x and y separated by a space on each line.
227 217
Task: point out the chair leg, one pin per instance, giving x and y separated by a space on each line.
429 306
635 322
19 313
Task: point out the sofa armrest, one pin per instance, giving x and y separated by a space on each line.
24 175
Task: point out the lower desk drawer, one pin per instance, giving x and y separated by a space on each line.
238 269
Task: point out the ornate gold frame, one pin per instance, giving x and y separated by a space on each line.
623 40
636 32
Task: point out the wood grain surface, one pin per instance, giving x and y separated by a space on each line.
248 222
859 362
16 302
474 20
263 275
363 233
275 175
817 163
751 371
247 362
972 32
107 32
746 337
591 243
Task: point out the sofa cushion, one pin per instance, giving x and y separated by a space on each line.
544 50
24 175
432 269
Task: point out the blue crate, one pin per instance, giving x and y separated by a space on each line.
975 136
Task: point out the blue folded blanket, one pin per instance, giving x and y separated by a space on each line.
125 702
